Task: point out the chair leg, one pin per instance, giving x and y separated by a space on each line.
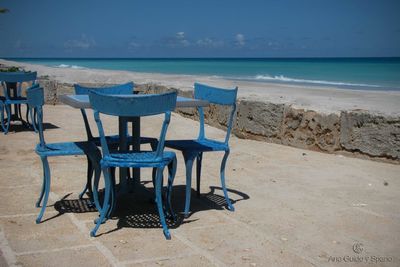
95 190
89 174
19 115
154 145
8 112
2 116
160 204
198 173
106 202
27 114
39 201
189 158
31 114
222 172
113 193
94 158
46 177
18 111
171 177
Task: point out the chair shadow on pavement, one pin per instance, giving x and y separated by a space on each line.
74 205
138 210
65 205
215 199
16 128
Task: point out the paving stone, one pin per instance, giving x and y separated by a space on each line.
18 200
236 246
128 243
88 256
24 235
193 260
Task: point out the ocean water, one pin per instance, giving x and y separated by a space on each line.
353 73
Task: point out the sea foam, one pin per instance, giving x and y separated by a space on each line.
281 78
69 66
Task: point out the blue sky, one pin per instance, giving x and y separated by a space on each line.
206 28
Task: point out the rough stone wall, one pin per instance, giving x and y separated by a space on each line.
352 131
259 120
311 130
374 135
52 88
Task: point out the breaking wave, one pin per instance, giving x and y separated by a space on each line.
281 78
69 66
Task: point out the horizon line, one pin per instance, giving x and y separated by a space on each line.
158 58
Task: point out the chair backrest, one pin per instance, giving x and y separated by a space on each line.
120 89
16 77
19 76
132 106
35 96
219 96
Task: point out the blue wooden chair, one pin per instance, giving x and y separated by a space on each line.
193 149
2 109
35 98
14 79
136 106
112 140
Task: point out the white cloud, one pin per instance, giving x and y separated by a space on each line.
175 41
208 42
83 43
134 45
180 37
240 40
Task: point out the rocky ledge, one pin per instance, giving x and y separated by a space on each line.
356 131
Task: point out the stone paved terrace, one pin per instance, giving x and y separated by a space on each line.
293 207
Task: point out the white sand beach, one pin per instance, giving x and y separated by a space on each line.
321 99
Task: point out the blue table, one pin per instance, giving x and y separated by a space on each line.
82 102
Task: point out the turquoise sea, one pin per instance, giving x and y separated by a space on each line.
354 73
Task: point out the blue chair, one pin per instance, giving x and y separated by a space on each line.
11 82
112 140
135 106
2 107
193 149
35 98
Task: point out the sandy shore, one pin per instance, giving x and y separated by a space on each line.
321 99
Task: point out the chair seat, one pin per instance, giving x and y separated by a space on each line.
137 159
17 100
114 139
197 145
65 149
